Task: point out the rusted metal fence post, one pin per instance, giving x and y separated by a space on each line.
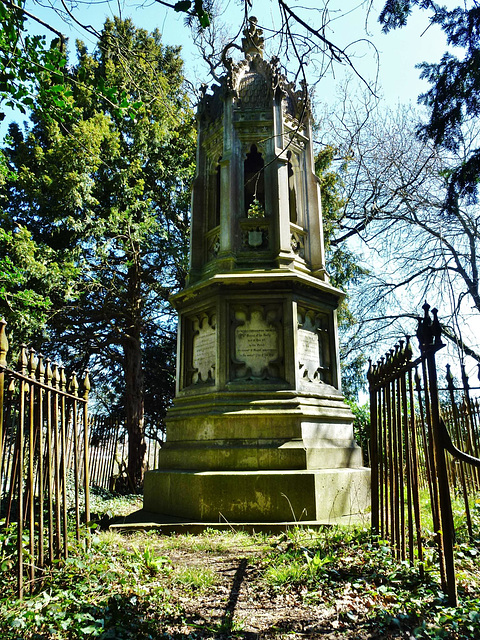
407 427
36 416
429 335
374 462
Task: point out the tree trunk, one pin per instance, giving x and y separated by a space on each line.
134 410
134 380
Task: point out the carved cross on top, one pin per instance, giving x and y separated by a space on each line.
253 41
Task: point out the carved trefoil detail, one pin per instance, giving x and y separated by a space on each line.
213 244
257 351
297 240
204 348
313 346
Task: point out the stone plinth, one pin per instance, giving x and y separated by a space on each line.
262 496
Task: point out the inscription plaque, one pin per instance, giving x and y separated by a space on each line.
308 350
312 346
204 352
256 344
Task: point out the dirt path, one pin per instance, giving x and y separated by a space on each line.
239 603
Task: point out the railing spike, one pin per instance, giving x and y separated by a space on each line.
408 349
49 372
87 386
56 375
41 368
3 342
73 384
22 359
32 363
436 329
63 378
465 380
449 377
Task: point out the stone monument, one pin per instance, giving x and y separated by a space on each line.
259 430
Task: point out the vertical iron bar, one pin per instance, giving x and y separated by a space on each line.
414 462
31 480
41 392
21 438
429 333
74 391
3 364
49 461
56 461
383 468
401 470
63 460
374 454
86 390
408 467
460 446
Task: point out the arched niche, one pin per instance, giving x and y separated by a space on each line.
214 204
218 187
254 179
292 188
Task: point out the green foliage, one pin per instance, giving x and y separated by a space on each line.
196 578
30 279
342 263
24 61
107 189
361 426
381 594
454 97
104 592
256 210
201 10
129 586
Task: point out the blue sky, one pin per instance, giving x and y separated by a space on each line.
398 52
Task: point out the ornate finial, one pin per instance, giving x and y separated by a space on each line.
408 349
73 386
465 381
22 360
370 369
41 368
449 378
56 375
63 378
429 331
32 363
253 42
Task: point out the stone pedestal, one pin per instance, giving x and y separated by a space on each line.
259 430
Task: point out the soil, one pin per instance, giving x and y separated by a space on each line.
241 605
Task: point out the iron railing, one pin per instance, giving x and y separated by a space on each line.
108 453
409 440
44 477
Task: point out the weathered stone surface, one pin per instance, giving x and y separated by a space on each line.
261 496
259 430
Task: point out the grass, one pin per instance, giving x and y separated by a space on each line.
142 586
214 541
196 578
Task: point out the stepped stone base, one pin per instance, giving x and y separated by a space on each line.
266 458
322 495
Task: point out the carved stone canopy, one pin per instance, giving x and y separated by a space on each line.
253 83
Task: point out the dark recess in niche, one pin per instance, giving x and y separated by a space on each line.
254 178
